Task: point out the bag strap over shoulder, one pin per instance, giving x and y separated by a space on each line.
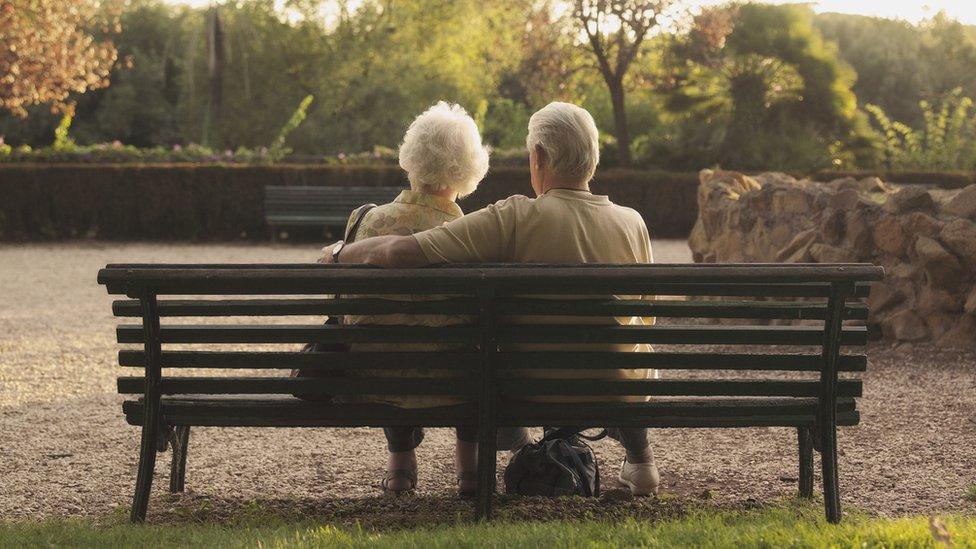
358 214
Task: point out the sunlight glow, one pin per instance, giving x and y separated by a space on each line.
909 10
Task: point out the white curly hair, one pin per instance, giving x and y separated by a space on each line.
568 135
442 150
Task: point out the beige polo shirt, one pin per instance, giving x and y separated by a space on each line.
561 226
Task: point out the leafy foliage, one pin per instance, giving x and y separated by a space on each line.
278 150
946 141
756 85
47 52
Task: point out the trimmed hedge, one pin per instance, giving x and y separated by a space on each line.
225 202
945 180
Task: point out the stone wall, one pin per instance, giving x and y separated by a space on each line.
925 238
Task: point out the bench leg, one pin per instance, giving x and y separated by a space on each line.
177 471
487 467
805 439
828 458
147 465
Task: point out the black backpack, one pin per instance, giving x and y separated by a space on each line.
560 464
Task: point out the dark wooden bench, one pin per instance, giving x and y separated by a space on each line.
782 375
288 205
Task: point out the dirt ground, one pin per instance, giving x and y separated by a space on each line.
65 449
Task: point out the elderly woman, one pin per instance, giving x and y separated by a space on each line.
444 159
565 223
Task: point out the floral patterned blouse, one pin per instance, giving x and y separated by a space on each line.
411 212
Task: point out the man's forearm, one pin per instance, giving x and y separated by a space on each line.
382 251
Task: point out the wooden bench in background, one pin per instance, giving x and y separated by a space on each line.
319 206
817 394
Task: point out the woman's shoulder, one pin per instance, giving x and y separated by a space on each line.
399 219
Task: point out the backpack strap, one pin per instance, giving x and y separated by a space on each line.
569 432
359 214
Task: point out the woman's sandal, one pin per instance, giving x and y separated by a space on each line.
467 476
409 474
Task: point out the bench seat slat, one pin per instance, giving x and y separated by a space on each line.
700 335
575 333
290 411
302 334
445 360
548 307
512 410
282 307
675 308
287 411
843 419
292 385
506 360
523 387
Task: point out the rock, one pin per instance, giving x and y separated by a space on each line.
889 236
734 183
905 325
918 223
960 237
931 301
909 199
872 185
942 268
883 296
916 233
798 247
846 199
962 334
939 324
791 201
905 271
698 242
833 226
779 178
825 253
858 235
963 204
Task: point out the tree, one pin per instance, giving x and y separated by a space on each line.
616 48
47 52
779 93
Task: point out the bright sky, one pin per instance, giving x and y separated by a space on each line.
914 11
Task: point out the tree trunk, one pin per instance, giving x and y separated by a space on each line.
215 69
620 120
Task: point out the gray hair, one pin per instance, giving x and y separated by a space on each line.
569 137
442 150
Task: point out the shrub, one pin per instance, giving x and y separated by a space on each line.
225 201
946 142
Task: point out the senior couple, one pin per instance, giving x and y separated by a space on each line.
444 159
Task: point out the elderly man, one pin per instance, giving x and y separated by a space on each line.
565 223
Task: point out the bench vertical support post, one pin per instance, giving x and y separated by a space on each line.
177 470
151 411
486 404
805 443
827 407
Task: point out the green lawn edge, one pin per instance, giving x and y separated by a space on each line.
786 525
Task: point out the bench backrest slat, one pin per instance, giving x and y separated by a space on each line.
320 204
238 296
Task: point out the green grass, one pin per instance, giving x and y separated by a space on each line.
789 525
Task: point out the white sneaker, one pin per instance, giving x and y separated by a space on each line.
641 478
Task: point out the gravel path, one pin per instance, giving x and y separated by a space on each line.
66 451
